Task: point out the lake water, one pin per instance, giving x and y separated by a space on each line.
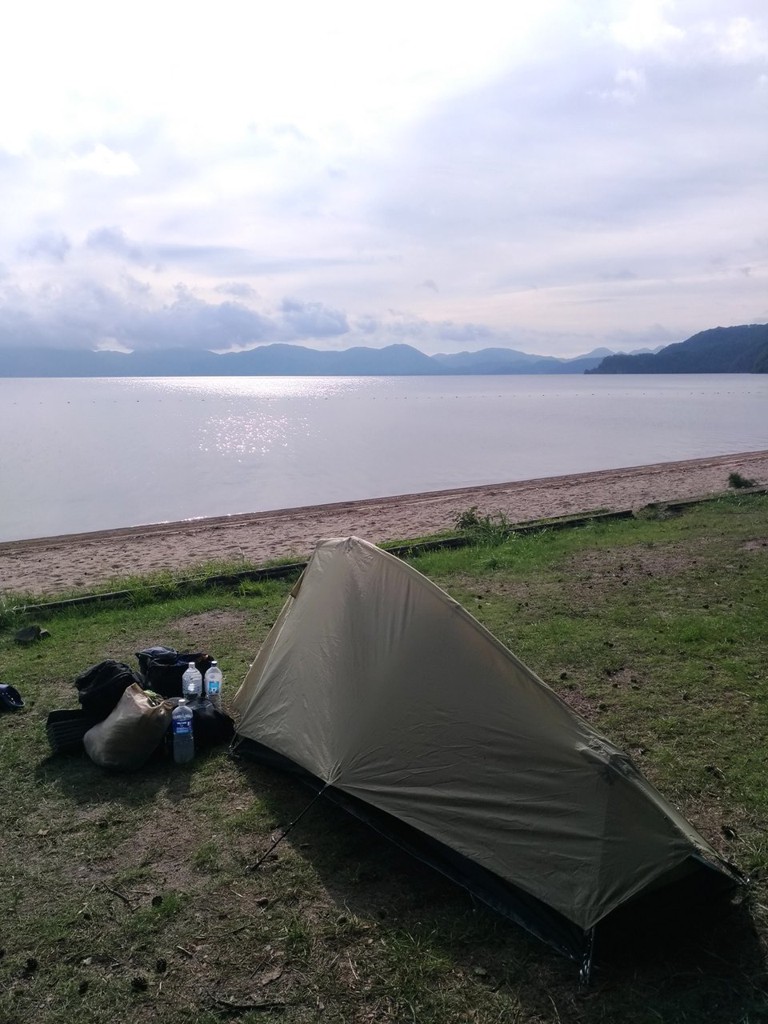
91 454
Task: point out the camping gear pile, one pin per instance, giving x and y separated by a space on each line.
380 691
124 716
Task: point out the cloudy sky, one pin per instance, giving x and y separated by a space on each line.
549 176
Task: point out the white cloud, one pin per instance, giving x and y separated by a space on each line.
108 344
645 26
743 40
103 160
628 86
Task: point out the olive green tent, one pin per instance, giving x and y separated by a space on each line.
381 689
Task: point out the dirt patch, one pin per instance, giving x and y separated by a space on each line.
209 622
636 562
578 702
759 544
169 862
624 679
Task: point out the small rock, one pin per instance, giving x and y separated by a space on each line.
29 634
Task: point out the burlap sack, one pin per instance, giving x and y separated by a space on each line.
131 733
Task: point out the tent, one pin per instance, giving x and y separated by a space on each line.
382 691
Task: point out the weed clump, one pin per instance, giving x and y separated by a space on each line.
738 481
655 511
493 528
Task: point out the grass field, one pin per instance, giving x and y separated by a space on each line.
127 897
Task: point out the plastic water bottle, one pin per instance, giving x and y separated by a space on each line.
213 684
192 683
183 738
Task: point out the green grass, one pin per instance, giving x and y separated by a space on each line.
127 897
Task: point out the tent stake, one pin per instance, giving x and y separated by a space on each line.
585 970
255 866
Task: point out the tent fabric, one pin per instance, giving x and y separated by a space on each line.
379 684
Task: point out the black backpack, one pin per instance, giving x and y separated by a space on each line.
100 687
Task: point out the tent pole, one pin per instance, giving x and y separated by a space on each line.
257 864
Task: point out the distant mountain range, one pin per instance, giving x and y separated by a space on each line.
283 361
721 350
508 360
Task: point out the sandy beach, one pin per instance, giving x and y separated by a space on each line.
54 564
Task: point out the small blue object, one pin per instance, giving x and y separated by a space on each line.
10 698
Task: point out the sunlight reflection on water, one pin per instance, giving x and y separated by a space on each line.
249 435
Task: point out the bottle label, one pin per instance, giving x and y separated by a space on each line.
182 728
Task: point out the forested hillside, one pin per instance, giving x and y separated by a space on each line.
720 350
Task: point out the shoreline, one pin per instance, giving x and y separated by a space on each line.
54 564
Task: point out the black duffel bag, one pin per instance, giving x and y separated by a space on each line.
100 687
210 726
162 668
